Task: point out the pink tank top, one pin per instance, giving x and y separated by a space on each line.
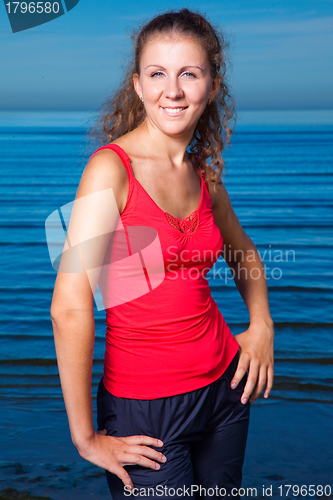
165 334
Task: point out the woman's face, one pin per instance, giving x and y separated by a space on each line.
175 83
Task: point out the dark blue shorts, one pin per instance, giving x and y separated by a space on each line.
204 434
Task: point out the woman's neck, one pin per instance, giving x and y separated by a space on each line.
160 145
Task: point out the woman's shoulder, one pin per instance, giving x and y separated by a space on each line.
217 191
104 156
105 170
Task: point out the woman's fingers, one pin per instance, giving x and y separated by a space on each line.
242 367
257 356
132 450
260 384
141 455
270 378
113 453
142 439
131 458
124 476
251 381
137 453
258 377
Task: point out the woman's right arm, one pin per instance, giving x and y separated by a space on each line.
73 317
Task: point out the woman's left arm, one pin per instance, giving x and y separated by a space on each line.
257 342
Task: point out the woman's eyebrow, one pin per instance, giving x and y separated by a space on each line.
181 69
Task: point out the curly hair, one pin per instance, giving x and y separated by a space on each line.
124 111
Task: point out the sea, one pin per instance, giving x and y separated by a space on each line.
279 176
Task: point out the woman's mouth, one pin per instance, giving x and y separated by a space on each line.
175 111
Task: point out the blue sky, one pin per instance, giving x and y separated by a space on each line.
281 53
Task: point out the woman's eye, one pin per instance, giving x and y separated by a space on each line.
158 73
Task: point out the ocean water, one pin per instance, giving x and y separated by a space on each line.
279 174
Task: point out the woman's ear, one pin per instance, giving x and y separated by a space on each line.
136 84
215 86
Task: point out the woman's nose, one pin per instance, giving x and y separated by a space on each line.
173 89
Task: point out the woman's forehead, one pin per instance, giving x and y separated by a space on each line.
165 46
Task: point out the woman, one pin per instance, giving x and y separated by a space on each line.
174 401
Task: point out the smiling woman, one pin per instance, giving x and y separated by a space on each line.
124 112
174 401
168 89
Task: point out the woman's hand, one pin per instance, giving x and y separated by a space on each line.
112 453
257 355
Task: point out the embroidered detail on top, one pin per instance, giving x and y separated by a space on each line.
186 225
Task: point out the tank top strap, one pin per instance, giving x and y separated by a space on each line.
122 155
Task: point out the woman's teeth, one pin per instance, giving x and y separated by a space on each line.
173 110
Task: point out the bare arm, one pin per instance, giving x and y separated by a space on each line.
73 317
243 259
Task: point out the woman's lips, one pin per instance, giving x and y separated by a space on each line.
174 111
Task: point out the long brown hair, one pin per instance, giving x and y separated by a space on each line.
124 111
